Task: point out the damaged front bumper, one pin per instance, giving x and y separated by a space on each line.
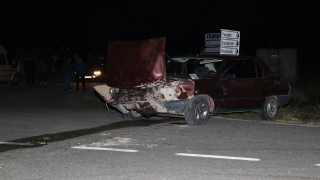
150 99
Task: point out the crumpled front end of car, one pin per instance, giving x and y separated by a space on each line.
150 99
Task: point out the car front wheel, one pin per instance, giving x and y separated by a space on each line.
269 109
197 111
132 115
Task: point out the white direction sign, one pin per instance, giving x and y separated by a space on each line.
230 34
230 51
230 42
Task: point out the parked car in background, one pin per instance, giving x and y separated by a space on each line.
8 70
96 68
142 82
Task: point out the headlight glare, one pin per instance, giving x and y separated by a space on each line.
97 73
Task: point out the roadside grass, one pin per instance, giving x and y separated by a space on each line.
304 107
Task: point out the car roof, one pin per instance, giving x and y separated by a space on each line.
210 57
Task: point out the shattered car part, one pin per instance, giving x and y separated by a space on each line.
132 63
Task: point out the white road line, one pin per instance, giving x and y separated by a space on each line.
218 157
104 149
14 143
317 164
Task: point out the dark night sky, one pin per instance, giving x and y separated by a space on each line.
91 24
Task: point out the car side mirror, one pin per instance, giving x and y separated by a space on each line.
229 76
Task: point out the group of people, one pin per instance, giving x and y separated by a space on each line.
65 71
42 68
79 68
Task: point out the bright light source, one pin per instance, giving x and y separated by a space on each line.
97 73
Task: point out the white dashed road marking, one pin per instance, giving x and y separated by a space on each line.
317 164
217 157
20 144
104 149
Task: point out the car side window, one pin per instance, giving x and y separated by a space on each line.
229 63
244 69
3 60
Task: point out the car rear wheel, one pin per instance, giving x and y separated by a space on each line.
132 115
269 109
197 111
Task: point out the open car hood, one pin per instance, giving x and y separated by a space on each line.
132 63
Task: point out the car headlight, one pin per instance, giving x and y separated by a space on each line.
97 73
112 91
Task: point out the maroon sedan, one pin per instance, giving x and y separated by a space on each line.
143 81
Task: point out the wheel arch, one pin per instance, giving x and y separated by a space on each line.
266 113
266 97
210 100
197 111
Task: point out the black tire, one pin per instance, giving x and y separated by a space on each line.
269 108
132 115
197 110
15 81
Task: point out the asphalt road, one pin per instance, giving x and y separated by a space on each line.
46 134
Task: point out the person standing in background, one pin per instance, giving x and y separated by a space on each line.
41 69
68 73
30 68
58 66
80 69
49 62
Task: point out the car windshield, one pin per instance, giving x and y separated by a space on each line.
199 66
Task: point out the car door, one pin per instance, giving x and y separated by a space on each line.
243 84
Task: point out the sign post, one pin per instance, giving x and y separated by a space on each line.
230 42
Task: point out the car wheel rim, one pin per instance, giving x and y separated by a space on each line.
272 108
201 112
